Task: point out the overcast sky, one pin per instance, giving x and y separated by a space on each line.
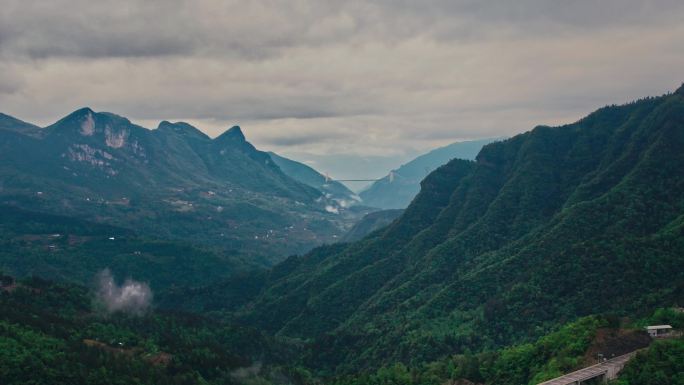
331 82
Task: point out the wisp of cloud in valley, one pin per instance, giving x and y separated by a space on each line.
132 297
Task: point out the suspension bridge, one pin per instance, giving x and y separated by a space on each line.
328 179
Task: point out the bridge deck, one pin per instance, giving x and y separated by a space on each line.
611 366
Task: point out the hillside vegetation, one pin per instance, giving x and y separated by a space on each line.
56 333
52 333
70 249
542 228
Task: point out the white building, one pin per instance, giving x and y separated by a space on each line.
658 330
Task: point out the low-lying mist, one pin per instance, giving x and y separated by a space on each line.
132 297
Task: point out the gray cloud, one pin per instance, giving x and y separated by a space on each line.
79 28
343 78
303 137
11 79
259 29
142 28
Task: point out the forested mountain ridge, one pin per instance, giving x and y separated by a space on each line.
549 225
173 182
399 190
371 222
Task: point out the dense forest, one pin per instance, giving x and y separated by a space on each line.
55 333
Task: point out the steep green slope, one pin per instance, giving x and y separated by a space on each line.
573 346
173 182
550 356
405 184
662 364
544 227
370 223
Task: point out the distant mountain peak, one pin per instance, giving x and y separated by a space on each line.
78 115
680 90
83 111
165 124
233 134
182 128
83 117
86 113
87 122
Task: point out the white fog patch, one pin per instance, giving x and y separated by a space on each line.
88 125
346 203
246 372
132 297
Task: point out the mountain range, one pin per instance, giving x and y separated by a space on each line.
173 182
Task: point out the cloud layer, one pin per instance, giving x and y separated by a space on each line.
353 78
